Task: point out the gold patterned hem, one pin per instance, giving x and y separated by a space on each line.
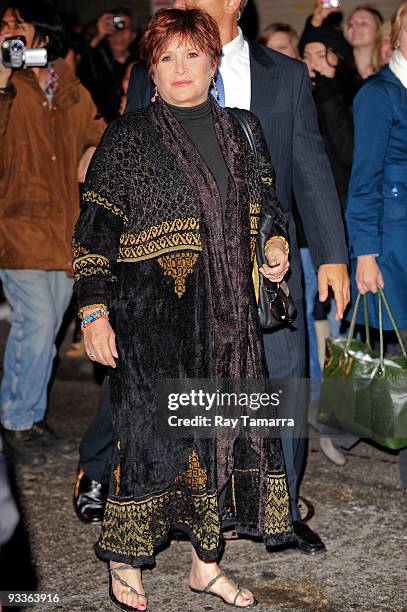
276 522
134 528
277 516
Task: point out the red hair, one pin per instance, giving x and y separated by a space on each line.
191 26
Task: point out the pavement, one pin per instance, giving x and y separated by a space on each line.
360 511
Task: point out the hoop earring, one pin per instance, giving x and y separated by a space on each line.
155 96
215 89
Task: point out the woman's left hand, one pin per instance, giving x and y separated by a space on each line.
278 262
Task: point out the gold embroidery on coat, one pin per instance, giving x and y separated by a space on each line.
174 235
116 473
254 208
91 264
267 180
178 266
91 196
194 477
78 249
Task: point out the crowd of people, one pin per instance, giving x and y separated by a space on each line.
130 190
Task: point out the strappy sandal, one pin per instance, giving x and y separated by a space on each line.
119 604
207 591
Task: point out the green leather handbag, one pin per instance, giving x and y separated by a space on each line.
364 393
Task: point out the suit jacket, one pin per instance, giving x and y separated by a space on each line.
281 98
377 203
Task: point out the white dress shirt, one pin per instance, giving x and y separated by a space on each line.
235 70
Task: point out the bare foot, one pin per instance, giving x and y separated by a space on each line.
202 572
132 578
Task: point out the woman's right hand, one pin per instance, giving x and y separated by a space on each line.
320 14
100 342
368 274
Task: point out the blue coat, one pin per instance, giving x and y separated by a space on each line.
376 214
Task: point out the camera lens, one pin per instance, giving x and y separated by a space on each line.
16 46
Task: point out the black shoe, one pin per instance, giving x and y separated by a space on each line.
89 498
50 440
23 447
308 541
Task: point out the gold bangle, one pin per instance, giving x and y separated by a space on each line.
286 245
91 307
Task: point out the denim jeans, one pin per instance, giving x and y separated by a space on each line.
38 299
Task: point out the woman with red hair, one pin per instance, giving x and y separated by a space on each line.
164 251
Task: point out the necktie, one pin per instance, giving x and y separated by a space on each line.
220 97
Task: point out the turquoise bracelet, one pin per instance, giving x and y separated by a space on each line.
98 314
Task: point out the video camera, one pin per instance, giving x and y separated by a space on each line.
16 55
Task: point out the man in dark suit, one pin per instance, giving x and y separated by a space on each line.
277 90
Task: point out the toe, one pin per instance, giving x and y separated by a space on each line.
245 598
124 598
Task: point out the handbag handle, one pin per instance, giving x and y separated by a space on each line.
353 322
393 321
382 298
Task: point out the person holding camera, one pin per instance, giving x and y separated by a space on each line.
104 63
362 30
48 133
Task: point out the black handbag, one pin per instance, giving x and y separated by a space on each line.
276 306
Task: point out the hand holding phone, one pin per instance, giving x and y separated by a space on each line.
322 9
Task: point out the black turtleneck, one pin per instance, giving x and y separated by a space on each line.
197 121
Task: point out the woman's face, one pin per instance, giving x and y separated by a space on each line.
183 74
403 37
281 41
362 29
320 59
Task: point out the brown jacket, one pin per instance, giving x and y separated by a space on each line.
40 148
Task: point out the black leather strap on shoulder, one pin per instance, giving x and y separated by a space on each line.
246 127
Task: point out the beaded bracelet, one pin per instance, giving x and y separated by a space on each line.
82 310
98 314
286 245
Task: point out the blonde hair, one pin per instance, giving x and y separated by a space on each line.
396 24
384 31
375 13
279 27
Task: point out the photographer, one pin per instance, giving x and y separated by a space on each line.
105 61
48 133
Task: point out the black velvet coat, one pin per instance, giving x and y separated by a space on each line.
176 274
